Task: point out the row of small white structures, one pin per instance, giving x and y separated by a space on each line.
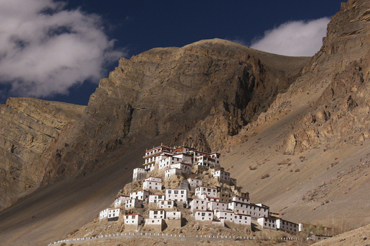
171 236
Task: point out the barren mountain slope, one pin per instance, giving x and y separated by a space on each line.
314 139
28 127
169 95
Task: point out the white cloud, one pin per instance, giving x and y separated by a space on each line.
294 38
45 49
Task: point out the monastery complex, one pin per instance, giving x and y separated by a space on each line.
177 184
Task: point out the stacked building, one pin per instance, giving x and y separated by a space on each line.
218 204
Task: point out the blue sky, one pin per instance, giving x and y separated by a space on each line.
60 50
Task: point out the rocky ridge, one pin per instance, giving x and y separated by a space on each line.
198 95
312 140
28 127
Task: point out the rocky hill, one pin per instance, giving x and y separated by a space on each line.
28 128
198 95
302 121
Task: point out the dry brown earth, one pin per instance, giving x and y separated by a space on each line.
313 141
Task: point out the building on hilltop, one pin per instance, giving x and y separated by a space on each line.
178 195
207 198
287 226
226 215
113 214
157 214
172 172
194 183
225 202
254 210
103 214
213 205
184 167
120 201
198 204
156 198
152 183
173 215
209 191
141 195
139 174
267 223
154 155
132 221
133 203
203 215
240 199
165 204
242 219
221 174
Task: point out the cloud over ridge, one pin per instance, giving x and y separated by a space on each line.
294 38
45 49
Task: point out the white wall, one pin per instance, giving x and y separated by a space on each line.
173 215
203 215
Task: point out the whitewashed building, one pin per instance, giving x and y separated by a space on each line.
226 215
166 161
165 204
198 204
133 219
120 201
157 214
211 192
113 214
179 195
152 183
133 203
242 219
156 198
141 194
287 226
216 157
240 199
254 210
184 167
104 213
205 160
171 172
221 174
209 198
203 215
154 222
184 158
139 174
154 155
267 223
221 206
195 182
173 215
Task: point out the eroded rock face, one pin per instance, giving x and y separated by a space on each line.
339 72
342 111
28 127
198 95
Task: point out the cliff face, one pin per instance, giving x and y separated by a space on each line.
335 83
200 94
311 138
341 113
28 128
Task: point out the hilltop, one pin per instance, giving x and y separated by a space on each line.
293 131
